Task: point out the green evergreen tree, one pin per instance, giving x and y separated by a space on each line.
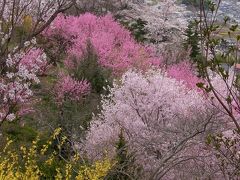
122 153
139 30
192 40
91 70
125 168
136 26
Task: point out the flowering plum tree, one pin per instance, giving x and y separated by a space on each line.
162 120
114 46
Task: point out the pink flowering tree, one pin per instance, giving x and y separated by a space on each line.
115 48
164 122
68 93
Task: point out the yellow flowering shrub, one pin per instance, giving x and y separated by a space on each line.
24 164
97 171
11 169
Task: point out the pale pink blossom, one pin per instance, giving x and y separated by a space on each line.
156 113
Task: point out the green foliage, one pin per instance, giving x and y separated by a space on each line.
122 149
19 133
138 29
192 40
19 33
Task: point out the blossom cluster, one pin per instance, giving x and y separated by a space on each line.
35 61
185 73
69 88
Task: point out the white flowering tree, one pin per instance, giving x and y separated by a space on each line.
164 122
162 17
165 23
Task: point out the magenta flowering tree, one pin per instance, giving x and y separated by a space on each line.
114 46
163 121
68 92
69 88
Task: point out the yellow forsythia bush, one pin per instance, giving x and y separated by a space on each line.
94 172
24 165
